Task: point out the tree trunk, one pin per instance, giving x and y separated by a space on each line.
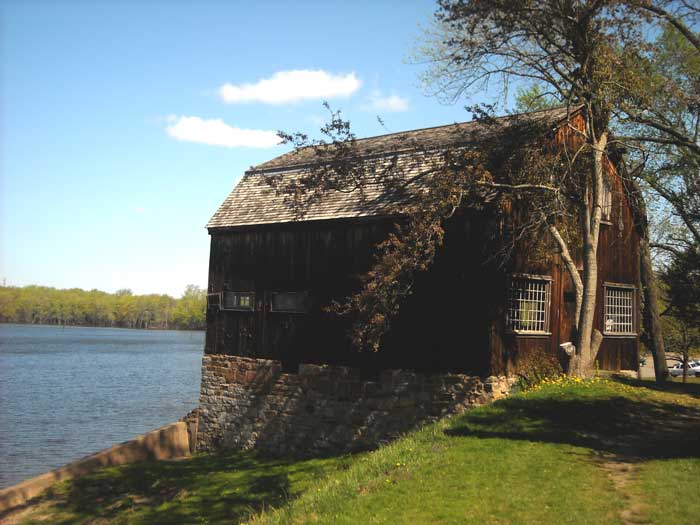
585 347
650 312
589 338
651 319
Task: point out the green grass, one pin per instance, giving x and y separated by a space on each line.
539 457
533 458
207 489
673 489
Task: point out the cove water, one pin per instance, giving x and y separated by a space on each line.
68 392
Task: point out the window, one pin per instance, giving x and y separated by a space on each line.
528 304
214 301
606 214
238 301
291 302
619 309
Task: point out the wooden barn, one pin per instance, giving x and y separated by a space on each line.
270 276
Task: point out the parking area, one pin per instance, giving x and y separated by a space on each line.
647 369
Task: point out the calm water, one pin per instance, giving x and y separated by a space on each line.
68 392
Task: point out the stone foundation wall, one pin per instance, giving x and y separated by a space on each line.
250 404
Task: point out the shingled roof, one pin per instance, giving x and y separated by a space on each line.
254 202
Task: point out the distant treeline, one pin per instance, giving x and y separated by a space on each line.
45 305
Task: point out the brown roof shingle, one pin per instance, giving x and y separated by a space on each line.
253 201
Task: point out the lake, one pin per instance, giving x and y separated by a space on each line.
68 392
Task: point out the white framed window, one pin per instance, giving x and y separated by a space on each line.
289 302
619 309
242 301
528 304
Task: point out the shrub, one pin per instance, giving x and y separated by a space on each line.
534 367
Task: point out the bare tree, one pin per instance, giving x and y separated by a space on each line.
575 49
571 48
657 120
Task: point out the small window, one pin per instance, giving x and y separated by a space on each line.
528 304
619 309
606 214
238 301
214 301
291 302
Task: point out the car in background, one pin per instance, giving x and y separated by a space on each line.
693 369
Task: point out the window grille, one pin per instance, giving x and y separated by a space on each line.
528 305
291 302
619 309
238 301
214 300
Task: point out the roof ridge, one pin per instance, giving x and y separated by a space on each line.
261 168
473 121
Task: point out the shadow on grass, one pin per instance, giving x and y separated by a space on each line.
217 488
629 428
691 388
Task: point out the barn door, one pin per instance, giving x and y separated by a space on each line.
238 309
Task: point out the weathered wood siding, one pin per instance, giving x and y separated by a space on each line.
618 262
453 321
443 325
322 258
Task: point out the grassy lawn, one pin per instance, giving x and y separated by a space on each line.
590 453
207 489
596 452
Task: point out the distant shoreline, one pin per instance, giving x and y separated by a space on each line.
153 329
34 304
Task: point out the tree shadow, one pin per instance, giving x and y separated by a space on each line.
690 388
627 428
213 488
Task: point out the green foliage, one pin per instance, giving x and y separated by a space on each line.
534 98
190 311
681 286
46 305
682 280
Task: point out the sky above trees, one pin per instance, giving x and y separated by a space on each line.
124 125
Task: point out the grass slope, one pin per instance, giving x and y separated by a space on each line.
206 489
596 452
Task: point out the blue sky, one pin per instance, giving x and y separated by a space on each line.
124 125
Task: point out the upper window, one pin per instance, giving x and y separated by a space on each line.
238 301
291 302
619 309
606 213
528 304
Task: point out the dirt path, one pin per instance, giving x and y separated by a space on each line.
624 474
671 422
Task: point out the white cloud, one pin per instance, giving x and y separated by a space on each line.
217 133
292 86
392 103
